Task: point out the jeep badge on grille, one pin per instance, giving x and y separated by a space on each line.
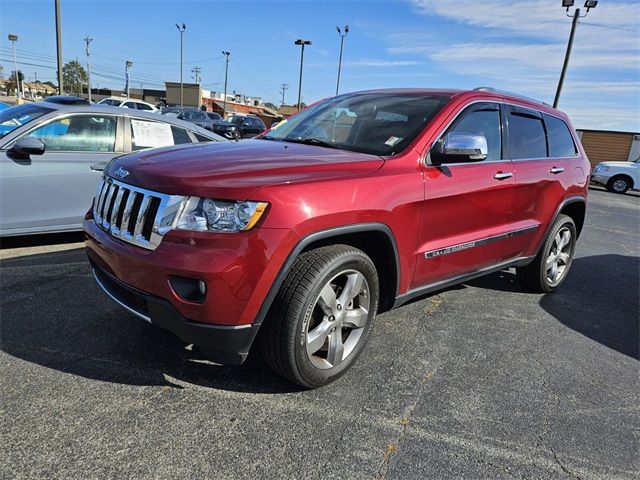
121 172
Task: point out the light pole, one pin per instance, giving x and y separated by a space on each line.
181 29
13 38
59 47
226 72
127 66
342 35
588 4
301 43
88 41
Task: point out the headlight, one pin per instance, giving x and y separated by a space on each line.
206 214
229 129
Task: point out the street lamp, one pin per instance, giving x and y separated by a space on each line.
342 35
13 38
302 43
226 71
127 66
181 29
588 4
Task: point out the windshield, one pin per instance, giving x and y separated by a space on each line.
15 117
110 101
375 123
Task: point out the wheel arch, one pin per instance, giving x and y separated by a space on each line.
374 239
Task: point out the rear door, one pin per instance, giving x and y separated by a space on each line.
543 153
53 191
465 215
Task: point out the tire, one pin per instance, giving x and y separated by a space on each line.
618 184
556 253
312 334
237 135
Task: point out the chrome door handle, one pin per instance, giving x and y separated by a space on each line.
503 175
556 170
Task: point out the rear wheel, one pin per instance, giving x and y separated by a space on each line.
618 184
321 316
551 266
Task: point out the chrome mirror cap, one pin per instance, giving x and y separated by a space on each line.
461 144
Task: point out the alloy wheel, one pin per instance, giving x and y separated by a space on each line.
338 319
559 256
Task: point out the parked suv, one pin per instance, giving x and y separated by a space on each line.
294 241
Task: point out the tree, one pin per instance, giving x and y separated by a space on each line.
73 76
12 80
271 106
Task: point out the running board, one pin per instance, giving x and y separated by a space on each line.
442 284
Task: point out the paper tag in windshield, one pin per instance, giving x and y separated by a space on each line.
391 141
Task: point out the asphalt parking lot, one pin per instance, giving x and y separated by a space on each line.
480 381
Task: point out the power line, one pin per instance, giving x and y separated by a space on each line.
610 27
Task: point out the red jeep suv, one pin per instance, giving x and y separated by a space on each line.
296 239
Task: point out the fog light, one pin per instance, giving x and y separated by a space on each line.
190 289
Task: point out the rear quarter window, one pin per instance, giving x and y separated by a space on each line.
561 142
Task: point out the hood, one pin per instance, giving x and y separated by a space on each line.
222 123
618 164
234 170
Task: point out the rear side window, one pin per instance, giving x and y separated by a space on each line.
147 134
202 138
526 136
560 140
143 106
180 135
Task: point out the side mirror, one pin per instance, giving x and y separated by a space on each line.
460 147
27 146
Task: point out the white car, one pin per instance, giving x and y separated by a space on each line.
127 103
617 177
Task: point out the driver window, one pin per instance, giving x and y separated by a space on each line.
82 133
486 122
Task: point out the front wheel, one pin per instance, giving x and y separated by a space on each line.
551 266
618 184
322 315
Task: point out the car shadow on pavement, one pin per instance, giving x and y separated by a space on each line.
53 314
599 299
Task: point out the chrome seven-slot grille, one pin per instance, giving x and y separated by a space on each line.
134 214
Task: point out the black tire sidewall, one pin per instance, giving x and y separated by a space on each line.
310 374
613 180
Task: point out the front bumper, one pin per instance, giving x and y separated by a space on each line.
599 179
228 345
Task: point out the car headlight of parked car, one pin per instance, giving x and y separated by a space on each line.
600 169
207 214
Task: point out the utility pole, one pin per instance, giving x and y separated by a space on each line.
88 41
588 4
181 29
342 35
283 88
196 71
127 66
226 73
59 46
301 43
13 38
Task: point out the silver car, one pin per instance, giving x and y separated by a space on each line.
51 155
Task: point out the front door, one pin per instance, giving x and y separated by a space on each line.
53 191
467 205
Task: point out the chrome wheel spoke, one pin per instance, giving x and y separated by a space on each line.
352 288
550 261
356 318
336 347
327 301
317 337
564 258
554 272
565 238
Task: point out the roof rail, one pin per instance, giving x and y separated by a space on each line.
494 90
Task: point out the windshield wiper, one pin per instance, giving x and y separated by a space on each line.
313 141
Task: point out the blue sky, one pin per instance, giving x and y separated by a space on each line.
517 46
